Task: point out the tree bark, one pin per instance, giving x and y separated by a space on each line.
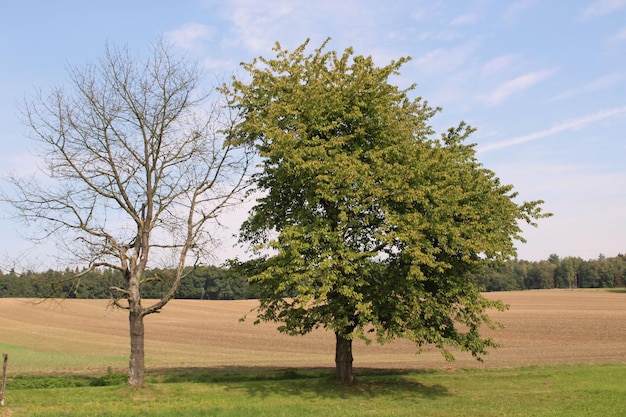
136 363
4 378
343 359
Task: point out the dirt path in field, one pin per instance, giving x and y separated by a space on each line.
548 326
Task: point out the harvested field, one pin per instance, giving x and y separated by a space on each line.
546 326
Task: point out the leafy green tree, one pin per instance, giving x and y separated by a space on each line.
223 284
565 272
620 261
540 275
193 286
590 273
373 224
214 283
14 285
609 271
502 277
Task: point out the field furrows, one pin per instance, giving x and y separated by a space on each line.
548 326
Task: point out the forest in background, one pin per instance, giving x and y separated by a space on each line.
202 283
225 283
556 272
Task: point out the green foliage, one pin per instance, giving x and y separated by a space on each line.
61 284
231 283
555 272
201 283
373 223
29 382
110 379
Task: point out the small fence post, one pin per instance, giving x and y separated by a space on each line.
4 378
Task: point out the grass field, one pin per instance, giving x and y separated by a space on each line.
564 353
564 390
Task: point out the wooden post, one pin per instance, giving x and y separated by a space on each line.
4 378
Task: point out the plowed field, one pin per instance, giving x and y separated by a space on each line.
548 326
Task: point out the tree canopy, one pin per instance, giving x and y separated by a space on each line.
371 223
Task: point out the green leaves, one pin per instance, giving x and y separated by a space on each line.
372 221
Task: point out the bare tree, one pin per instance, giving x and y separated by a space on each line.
137 169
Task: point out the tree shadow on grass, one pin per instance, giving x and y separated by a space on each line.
365 387
232 374
306 382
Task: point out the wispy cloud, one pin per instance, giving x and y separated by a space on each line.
602 83
446 59
257 25
600 8
443 35
517 8
426 11
498 64
466 19
190 33
516 85
564 126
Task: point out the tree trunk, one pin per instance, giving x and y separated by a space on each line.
343 359
4 378
136 365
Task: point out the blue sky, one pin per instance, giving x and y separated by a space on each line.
543 81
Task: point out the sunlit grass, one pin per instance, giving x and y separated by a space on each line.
574 390
60 370
30 360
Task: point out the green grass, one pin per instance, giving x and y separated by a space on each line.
576 390
29 360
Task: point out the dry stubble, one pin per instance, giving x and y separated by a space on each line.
548 326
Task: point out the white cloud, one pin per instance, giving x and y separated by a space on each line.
446 60
445 35
598 84
516 85
426 11
256 26
466 19
256 23
567 125
499 63
190 33
600 8
517 8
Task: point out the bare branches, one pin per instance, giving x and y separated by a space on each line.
136 161
138 166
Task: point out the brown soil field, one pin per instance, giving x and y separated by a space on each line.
541 327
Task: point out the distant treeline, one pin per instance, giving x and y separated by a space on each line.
202 283
555 272
220 283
